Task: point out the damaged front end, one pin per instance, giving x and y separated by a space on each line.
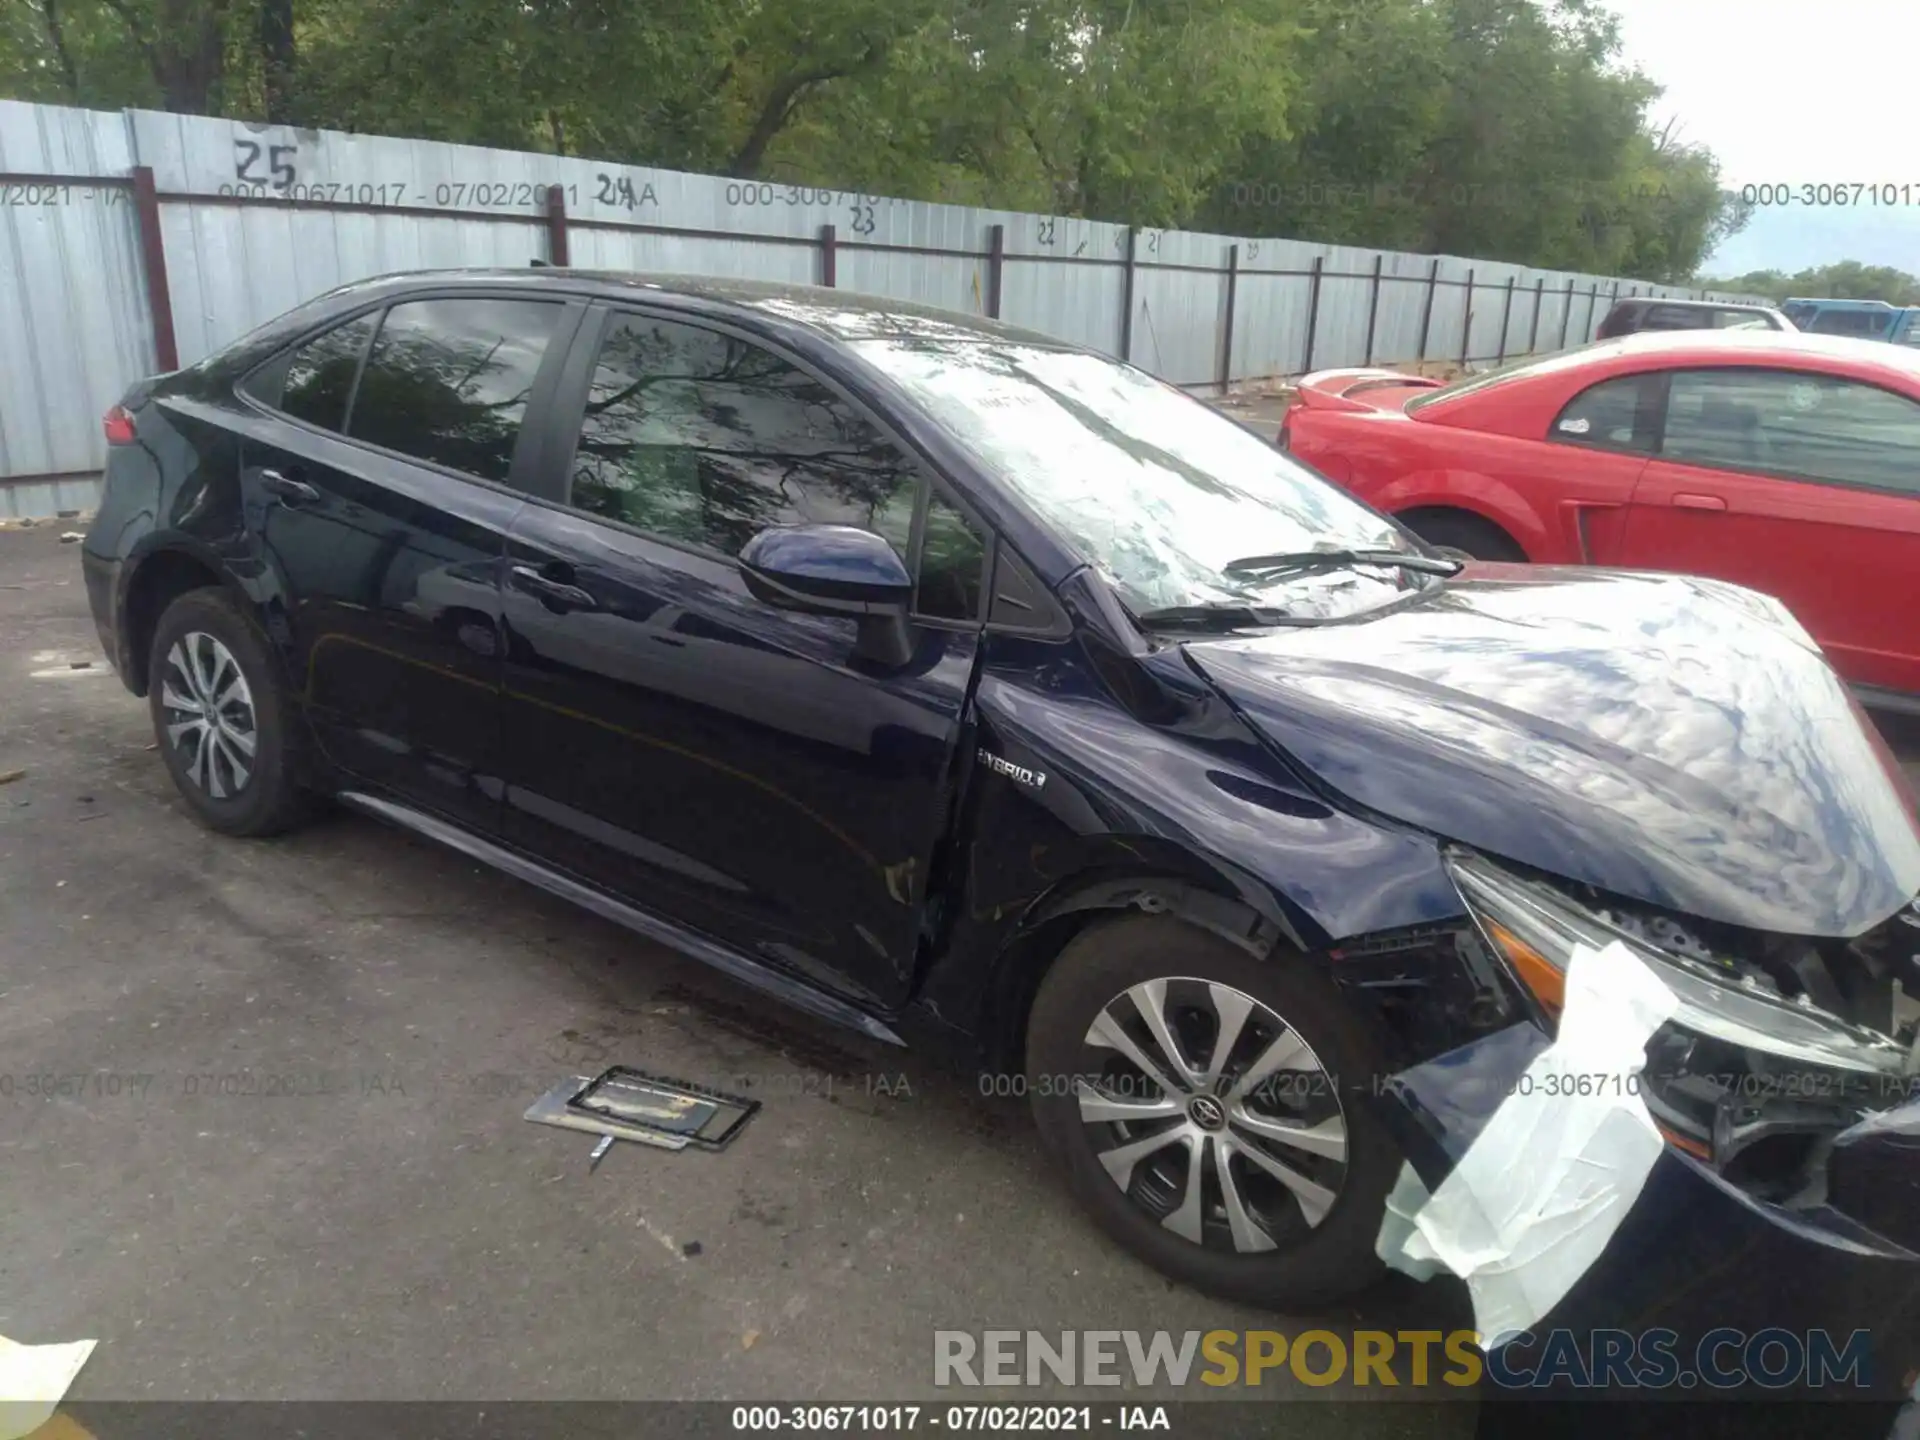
1710 1126
1777 1045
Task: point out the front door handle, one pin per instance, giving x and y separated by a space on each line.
294 492
556 594
1685 501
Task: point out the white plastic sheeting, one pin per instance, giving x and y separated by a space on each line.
1545 1184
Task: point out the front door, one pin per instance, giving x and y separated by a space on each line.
726 764
1804 486
382 510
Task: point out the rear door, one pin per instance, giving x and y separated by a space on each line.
379 479
1802 485
728 765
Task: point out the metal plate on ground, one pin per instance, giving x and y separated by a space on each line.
630 1104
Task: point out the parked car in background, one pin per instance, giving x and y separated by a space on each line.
1789 463
941 679
1861 319
1650 312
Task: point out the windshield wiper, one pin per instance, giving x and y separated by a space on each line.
1218 617
1310 560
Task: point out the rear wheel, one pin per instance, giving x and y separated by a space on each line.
1468 534
1208 1110
222 717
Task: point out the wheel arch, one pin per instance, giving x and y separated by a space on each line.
1412 515
1146 878
158 572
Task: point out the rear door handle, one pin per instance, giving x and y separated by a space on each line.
1684 501
294 492
558 594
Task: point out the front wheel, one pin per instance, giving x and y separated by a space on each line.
1209 1110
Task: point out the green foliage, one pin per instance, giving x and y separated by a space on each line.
1847 280
1495 128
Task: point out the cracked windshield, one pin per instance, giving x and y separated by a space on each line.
1156 490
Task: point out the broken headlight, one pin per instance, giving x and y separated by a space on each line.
1741 1066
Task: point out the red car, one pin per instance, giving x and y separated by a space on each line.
1789 463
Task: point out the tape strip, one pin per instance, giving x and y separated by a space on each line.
1542 1188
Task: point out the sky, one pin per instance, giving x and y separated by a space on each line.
1793 91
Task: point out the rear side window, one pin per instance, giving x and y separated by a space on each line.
1847 322
448 380
1675 317
315 382
1608 416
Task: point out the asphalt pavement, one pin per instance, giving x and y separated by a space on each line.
261 1134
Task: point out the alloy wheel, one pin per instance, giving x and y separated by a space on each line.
209 714
1213 1115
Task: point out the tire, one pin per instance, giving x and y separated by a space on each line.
1317 1249
1455 530
202 638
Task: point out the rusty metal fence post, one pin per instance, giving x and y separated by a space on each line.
1313 311
1426 310
996 268
1373 305
1466 325
559 251
153 257
1506 322
1226 325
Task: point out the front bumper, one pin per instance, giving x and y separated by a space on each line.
1702 1292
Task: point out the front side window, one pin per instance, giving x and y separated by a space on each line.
1820 427
448 380
707 439
1156 489
1607 416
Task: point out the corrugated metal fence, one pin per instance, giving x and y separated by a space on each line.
139 241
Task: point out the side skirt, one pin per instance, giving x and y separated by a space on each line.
1896 702
723 958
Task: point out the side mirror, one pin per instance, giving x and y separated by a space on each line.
835 570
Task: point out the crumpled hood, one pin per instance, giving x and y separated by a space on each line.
1673 740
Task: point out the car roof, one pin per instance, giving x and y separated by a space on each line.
827 311
1689 303
1837 303
1736 347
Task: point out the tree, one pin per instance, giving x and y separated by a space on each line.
1497 128
1846 280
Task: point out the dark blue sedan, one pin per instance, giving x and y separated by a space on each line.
941 679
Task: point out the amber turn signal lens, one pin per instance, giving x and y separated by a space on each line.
1540 975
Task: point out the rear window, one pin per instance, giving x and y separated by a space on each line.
1490 379
1848 322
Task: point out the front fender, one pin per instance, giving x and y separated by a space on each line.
1155 793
